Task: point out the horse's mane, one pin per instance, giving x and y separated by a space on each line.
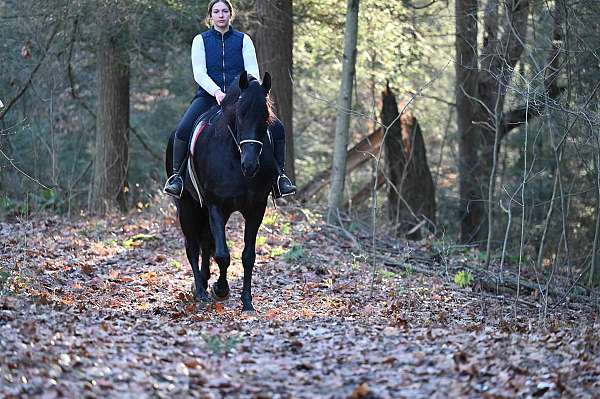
230 104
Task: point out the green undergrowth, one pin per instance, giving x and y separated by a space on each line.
221 345
137 240
464 279
295 253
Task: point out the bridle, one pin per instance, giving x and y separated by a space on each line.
247 141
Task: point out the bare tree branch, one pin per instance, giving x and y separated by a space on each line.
29 81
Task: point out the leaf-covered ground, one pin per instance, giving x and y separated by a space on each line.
101 308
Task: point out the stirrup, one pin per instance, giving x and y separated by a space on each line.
171 179
277 189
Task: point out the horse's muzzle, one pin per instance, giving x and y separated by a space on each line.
249 169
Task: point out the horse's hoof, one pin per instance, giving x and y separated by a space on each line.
247 307
216 297
202 305
202 298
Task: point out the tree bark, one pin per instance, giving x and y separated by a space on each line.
411 193
480 96
338 169
109 185
274 42
466 85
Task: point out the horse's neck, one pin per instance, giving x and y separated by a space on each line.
230 124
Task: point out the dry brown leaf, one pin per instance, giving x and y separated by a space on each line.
149 278
87 268
191 363
361 391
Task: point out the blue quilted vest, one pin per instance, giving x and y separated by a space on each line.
224 58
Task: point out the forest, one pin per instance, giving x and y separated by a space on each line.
443 240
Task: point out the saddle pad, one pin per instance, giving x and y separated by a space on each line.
194 179
197 131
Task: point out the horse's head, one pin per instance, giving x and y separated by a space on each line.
252 117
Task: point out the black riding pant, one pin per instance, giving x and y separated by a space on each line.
198 106
277 130
278 135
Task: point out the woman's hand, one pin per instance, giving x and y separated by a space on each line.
219 95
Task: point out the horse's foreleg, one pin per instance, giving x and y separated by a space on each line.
217 227
253 221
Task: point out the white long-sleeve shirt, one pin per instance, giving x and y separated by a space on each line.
199 63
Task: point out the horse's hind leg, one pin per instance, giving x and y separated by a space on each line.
207 245
187 216
253 221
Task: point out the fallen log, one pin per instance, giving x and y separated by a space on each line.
365 192
357 156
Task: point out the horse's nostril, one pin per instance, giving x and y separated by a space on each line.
245 170
249 169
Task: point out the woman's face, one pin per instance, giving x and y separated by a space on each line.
220 15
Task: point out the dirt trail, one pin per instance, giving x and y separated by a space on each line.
100 309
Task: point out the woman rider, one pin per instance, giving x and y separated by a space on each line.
219 55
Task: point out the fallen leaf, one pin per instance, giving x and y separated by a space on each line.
149 278
191 363
361 391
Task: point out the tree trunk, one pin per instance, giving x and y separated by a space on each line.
480 97
109 184
274 42
472 211
411 193
338 169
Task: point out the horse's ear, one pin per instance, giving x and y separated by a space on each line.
243 80
266 84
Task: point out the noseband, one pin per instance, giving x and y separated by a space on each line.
241 143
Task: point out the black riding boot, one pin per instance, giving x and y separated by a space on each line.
174 185
282 185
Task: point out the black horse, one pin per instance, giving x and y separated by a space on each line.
234 164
